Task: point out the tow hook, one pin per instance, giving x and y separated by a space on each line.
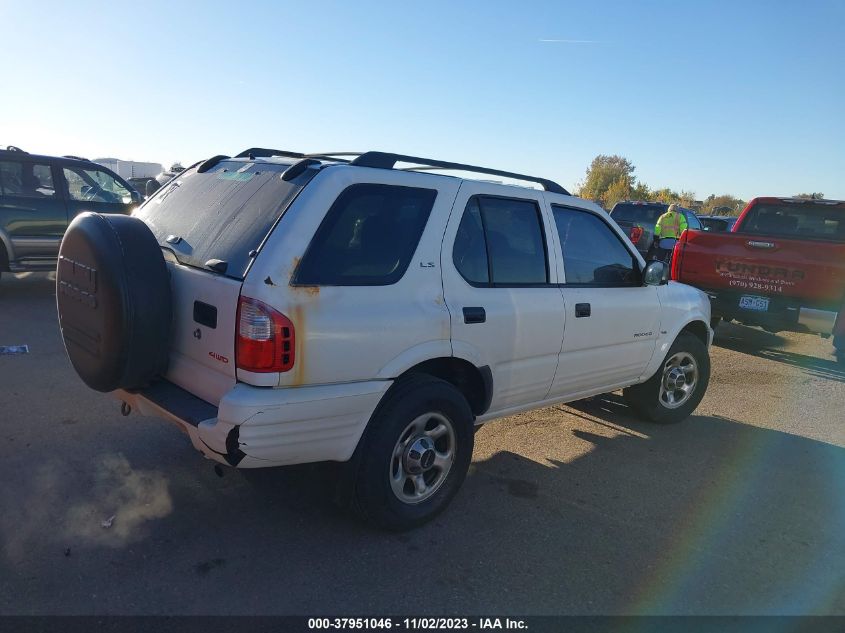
125 409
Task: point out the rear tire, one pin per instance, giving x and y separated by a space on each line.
414 455
677 387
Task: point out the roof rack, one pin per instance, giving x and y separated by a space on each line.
385 160
74 157
15 148
262 152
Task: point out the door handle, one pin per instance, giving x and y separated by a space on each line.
582 310
475 315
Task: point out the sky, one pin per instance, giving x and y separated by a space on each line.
740 97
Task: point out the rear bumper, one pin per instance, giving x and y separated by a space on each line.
783 314
255 427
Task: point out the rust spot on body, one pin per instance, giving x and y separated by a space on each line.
309 291
297 377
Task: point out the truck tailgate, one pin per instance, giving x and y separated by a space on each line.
812 271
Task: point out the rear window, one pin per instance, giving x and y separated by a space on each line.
643 214
800 220
224 213
367 237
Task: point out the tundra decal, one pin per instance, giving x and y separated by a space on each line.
758 276
770 273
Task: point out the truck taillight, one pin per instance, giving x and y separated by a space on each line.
636 234
265 338
677 255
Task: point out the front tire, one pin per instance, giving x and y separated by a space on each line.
415 454
677 387
839 348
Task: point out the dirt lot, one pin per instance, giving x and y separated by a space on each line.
571 509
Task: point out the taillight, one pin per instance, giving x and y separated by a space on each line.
636 234
677 256
265 339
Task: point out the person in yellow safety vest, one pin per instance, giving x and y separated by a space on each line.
670 224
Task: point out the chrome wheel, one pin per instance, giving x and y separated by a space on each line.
680 376
422 458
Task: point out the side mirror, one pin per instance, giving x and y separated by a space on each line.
137 198
655 274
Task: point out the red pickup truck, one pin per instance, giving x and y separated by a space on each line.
781 267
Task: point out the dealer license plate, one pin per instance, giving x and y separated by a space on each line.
761 304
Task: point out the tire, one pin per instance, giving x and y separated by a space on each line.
650 400
396 443
839 348
114 302
4 260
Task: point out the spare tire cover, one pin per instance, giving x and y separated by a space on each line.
114 303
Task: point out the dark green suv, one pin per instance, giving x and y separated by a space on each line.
40 195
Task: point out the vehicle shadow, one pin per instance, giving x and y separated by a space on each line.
707 516
598 514
762 344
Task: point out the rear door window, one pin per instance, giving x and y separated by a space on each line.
470 252
368 236
224 213
500 242
26 179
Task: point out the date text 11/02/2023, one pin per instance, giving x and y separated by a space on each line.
412 624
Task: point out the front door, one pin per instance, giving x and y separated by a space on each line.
92 189
612 320
497 277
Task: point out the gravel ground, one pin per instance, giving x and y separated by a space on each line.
575 509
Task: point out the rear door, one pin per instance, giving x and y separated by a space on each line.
32 210
211 226
612 320
498 281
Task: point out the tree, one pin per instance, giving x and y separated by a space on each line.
810 196
618 190
722 205
606 172
641 192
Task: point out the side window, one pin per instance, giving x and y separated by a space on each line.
368 236
470 252
25 179
500 242
693 222
93 185
592 253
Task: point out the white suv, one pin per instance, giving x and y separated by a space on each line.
284 308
